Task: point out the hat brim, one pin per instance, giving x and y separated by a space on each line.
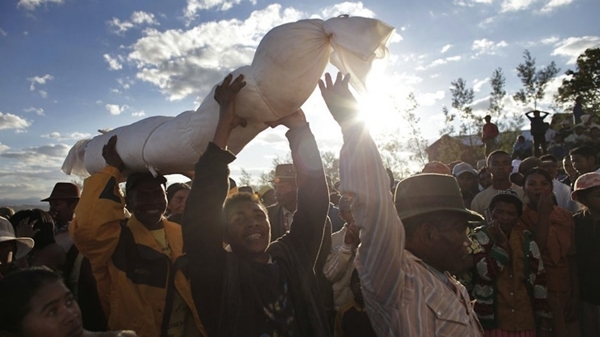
472 216
24 245
62 198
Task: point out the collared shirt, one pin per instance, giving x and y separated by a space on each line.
402 296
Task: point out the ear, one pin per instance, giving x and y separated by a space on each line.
429 234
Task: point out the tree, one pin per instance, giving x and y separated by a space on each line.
415 143
331 165
534 81
498 93
584 81
509 125
246 179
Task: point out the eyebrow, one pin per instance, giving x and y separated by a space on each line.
53 302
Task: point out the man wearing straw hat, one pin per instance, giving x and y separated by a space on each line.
12 248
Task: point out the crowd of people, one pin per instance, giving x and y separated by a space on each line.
507 249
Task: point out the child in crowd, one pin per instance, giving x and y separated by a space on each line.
587 243
36 303
352 319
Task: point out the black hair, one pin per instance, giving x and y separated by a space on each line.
510 199
489 157
174 188
538 170
17 290
238 198
585 151
549 157
43 222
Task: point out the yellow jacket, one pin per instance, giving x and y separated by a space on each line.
134 278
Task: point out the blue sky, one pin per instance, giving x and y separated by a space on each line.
71 67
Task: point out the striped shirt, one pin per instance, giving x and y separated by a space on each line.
402 296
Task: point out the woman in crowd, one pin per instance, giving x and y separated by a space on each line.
39 226
552 229
35 302
587 243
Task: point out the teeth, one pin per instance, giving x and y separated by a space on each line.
254 236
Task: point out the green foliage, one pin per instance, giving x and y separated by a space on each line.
534 81
583 81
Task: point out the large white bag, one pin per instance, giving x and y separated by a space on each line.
284 72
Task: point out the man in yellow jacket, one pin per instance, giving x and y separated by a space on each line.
138 262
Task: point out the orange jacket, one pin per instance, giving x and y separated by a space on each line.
135 280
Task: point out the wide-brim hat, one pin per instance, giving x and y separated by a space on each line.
584 182
284 172
64 191
430 192
7 233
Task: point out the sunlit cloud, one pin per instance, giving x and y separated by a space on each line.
486 47
10 121
137 19
572 47
37 111
33 4
39 80
115 109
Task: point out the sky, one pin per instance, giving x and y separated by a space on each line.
72 67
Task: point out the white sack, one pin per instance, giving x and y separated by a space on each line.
285 70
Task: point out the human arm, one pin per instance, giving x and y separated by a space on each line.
541 308
312 203
96 227
202 227
542 228
381 255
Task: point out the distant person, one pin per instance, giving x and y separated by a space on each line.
36 303
538 131
352 319
466 177
484 178
500 165
522 148
267 196
39 226
12 249
559 148
550 133
63 200
561 191
176 196
584 159
436 167
578 110
489 135
572 174
578 137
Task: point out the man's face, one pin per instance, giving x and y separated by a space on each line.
62 210
466 181
147 200
551 167
582 164
505 213
485 179
285 191
500 165
248 229
568 166
592 199
451 243
177 203
53 313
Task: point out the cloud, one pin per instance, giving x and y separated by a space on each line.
10 121
550 40
554 4
477 84
58 151
470 3
3 148
39 80
439 62
140 113
38 111
445 48
181 63
350 8
429 99
138 19
3 32
115 109
32 4
572 47
193 6
486 47
69 136
126 83
516 5
113 64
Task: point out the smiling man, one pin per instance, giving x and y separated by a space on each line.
259 287
137 262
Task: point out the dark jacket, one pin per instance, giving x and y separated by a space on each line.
219 278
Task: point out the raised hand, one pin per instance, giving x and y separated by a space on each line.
295 120
339 99
545 204
352 236
225 95
110 154
25 228
498 235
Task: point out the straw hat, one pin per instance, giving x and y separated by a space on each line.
584 182
7 233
